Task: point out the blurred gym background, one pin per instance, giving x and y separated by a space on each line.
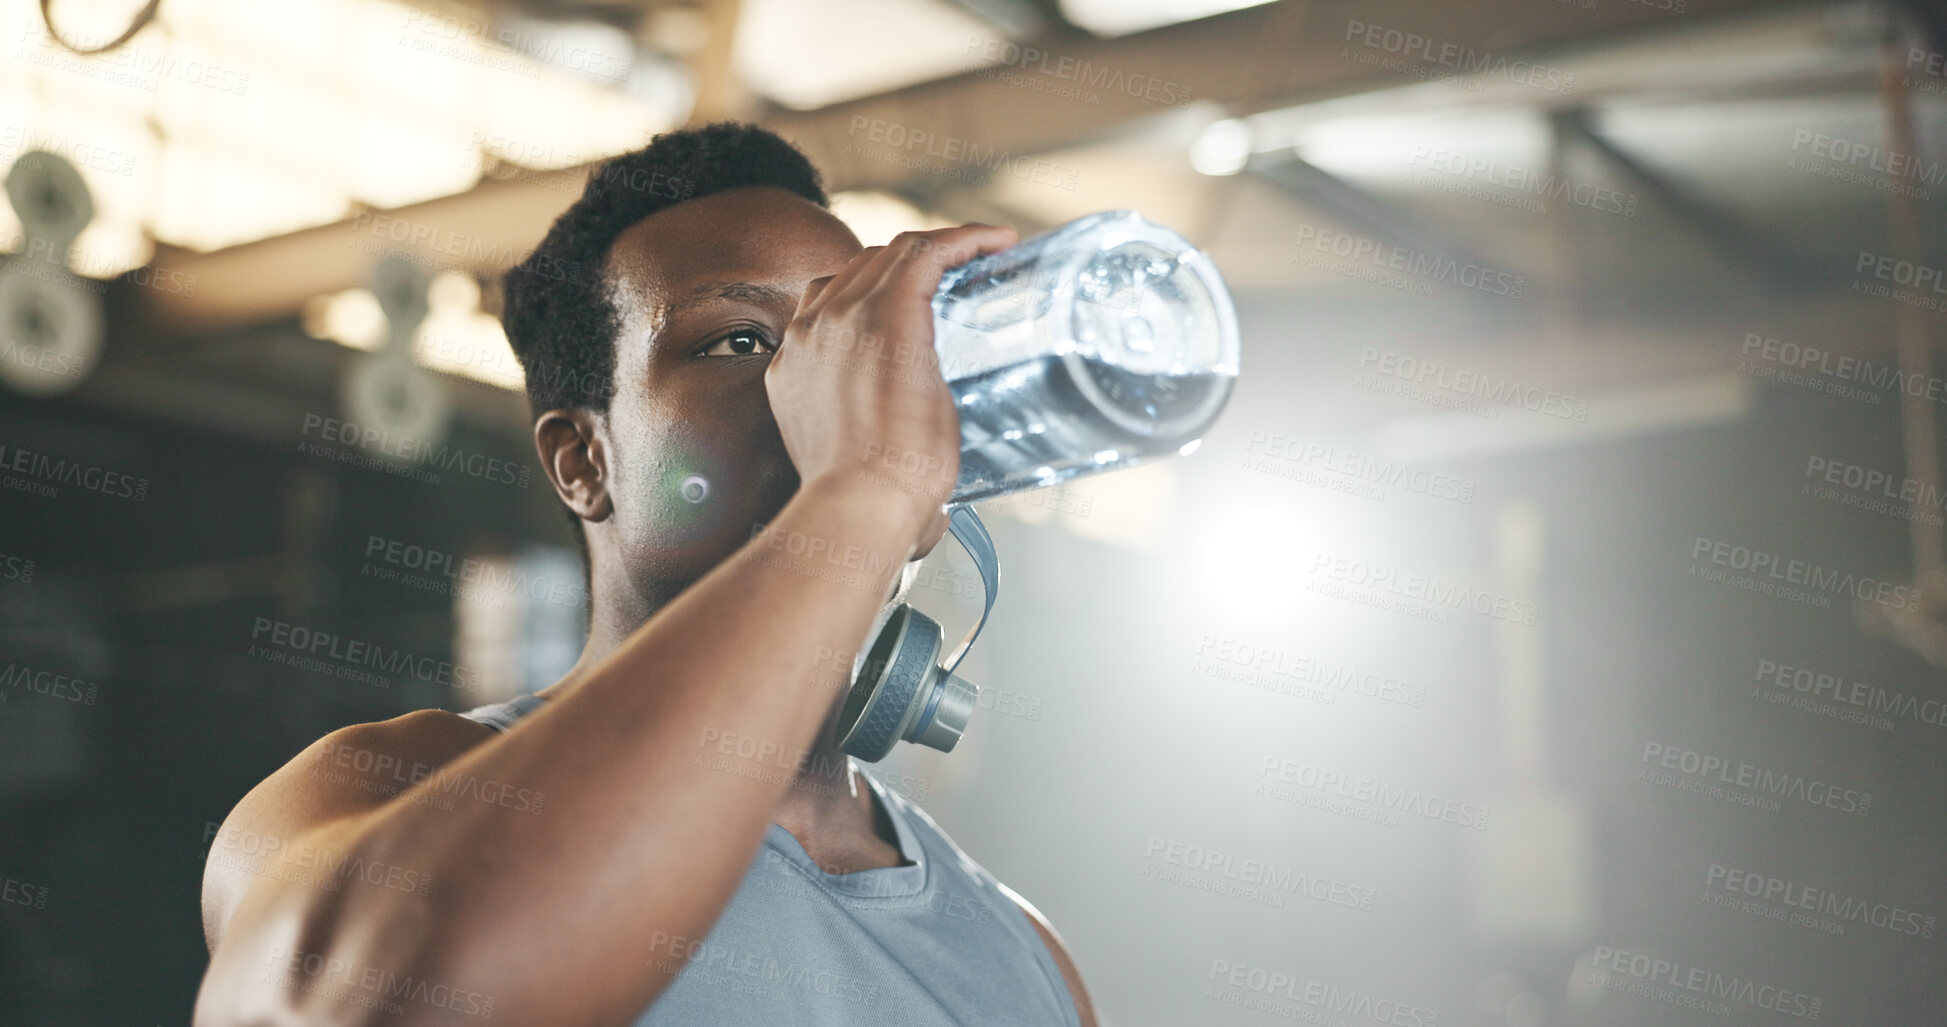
1550 631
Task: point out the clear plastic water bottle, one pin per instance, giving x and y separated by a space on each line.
1102 344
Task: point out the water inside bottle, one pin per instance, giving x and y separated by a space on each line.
1053 417
1092 373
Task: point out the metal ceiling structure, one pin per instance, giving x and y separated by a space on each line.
1279 55
1655 95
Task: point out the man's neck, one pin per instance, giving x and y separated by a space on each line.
825 793
829 807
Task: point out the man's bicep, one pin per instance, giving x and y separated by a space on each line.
345 774
1059 950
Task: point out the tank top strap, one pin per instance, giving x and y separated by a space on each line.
501 716
954 871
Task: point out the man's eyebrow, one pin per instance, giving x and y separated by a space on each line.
729 291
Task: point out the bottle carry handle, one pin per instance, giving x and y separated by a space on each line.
906 694
965 525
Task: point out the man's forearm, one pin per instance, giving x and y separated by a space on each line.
661 769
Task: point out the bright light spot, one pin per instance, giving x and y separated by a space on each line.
1132 507
453 290
1250 552
1245 559
1121 17
1223 148
809 53
1190 447
876 217
488 632
350 318
222 122
695 488
458 339
105 249
1398 146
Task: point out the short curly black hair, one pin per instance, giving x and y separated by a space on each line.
557 305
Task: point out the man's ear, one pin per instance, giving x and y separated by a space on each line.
573 446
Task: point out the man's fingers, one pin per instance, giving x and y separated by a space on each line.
926 256
812 290
867 270
935 530
819 291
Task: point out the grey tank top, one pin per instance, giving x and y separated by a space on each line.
936 942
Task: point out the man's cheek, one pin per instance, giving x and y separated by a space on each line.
701 461
705 486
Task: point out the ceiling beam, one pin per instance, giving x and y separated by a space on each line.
1381 219
720 94
1276 55
1260 58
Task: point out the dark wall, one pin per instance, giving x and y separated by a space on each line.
140 705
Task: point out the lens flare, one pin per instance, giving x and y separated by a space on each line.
695 488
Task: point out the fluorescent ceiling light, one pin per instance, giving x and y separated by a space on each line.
809 53
1614 415
351 318
456 338
222 123
1121 17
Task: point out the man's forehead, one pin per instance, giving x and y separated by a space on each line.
756 227
737 244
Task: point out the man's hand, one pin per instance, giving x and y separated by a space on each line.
856 387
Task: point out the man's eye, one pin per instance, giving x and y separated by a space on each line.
740 343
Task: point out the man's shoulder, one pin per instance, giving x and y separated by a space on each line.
422 738
1033 918
361 755
357 767
350 771
433 727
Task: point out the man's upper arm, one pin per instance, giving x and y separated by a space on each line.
350 771
1083 1007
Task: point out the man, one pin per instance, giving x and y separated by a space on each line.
707 349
